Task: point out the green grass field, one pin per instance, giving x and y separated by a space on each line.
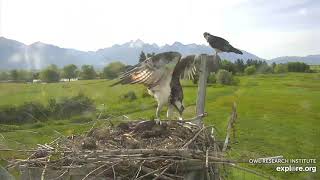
277 115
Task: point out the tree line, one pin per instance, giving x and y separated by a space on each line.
253 66
227 70
53 74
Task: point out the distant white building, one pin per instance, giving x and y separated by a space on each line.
36 81
67 80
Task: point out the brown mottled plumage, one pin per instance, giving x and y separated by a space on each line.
220 44
161 74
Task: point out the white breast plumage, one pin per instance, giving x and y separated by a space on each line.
162 91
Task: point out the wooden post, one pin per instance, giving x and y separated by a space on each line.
201 99
202 85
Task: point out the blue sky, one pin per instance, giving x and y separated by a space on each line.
266 28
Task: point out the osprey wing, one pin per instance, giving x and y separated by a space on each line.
220 39
217 42
151 71
188 66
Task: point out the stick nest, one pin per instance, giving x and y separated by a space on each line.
131 150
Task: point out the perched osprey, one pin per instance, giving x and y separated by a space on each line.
161 74
219 44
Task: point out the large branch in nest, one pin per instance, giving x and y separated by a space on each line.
194 137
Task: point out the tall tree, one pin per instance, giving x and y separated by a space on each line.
297 67
113 70
239 64
69 71
87 72
53 67
142 56
229 66
14 74
50 74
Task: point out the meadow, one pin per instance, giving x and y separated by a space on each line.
278 114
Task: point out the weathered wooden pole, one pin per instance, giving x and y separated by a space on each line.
208 63
202 85
205 61
198 172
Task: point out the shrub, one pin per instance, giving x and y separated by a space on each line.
212 79
224 77
68 107
250 70
131 95
28 112
35 112
281 68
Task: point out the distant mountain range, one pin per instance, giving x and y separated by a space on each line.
14 54
311 59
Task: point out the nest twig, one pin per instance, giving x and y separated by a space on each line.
132 150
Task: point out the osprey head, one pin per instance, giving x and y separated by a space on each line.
206 35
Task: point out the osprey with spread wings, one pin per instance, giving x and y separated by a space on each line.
161 74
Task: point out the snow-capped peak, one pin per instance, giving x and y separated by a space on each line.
137 43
